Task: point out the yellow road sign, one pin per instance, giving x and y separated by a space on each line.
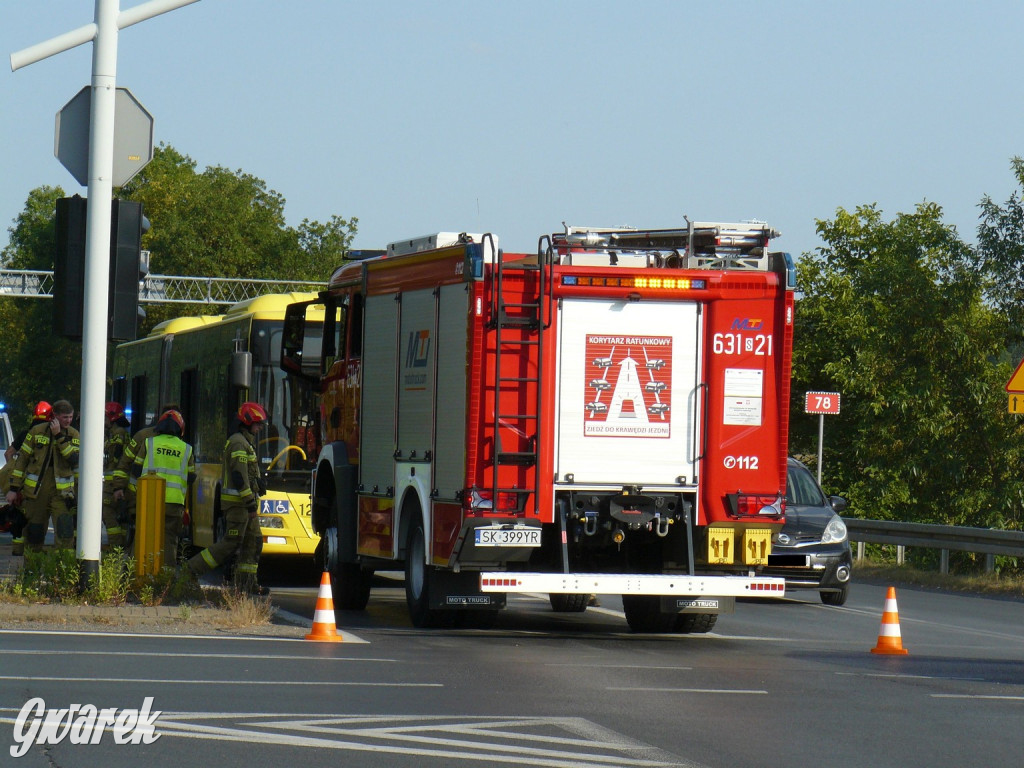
1016 382
1016 402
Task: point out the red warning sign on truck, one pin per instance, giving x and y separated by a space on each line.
628 386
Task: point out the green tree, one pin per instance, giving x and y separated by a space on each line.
892 316
37 365
213 223
1001 246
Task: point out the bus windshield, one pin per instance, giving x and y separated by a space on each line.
287 445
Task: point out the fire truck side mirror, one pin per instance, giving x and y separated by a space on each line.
294 341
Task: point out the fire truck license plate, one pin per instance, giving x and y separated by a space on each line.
508 537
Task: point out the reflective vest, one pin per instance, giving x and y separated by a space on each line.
169 457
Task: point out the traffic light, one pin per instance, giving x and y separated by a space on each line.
69 267
126 227
125 244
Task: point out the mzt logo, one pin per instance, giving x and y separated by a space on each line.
82 724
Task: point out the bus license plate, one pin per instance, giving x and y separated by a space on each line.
508 537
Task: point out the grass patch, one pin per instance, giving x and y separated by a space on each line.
993 584
54 577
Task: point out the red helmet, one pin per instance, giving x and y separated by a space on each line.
251 413
43 411
176 417
114 411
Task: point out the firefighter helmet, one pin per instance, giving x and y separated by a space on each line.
114 411
43 411
176 417
251 414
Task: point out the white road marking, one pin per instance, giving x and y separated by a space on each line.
168 681
121 654
548 742
691 690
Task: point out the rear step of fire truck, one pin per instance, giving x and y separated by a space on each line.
519 325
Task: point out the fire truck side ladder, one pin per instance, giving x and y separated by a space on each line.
519 327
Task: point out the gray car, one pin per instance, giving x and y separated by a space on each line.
812 550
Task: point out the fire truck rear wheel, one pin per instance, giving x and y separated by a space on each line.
418 582
644 614
562 603
695 623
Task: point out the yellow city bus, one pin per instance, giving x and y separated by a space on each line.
208 366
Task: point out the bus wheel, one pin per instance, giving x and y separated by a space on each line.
418 581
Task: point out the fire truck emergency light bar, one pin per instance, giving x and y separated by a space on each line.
656 283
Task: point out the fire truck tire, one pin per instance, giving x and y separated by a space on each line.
695 623
562 603
644 614
418 582
351 587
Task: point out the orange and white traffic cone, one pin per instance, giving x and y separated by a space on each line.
890 641
324 628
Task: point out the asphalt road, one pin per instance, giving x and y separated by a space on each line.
777 683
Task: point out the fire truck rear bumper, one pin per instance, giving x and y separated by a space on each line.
632 584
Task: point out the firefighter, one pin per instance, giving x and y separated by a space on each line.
240 492
168 456
122 482
15 515
115 438
11 517
44 477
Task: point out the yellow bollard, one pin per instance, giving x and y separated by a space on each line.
150 501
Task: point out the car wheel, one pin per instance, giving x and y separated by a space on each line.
836 598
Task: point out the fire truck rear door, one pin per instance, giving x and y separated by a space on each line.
628 399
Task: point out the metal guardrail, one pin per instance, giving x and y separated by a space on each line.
161 289
986 541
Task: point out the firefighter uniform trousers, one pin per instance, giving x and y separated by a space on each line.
240 504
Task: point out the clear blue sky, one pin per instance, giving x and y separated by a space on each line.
513 117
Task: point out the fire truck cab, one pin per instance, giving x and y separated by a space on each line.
608 415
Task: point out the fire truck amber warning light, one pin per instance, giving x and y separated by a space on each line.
651 283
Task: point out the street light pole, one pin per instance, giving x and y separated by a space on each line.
103 35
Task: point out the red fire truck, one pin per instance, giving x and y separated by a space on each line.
608 415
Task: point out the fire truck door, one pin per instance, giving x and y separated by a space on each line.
379 393
418 338
628 405
452 363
